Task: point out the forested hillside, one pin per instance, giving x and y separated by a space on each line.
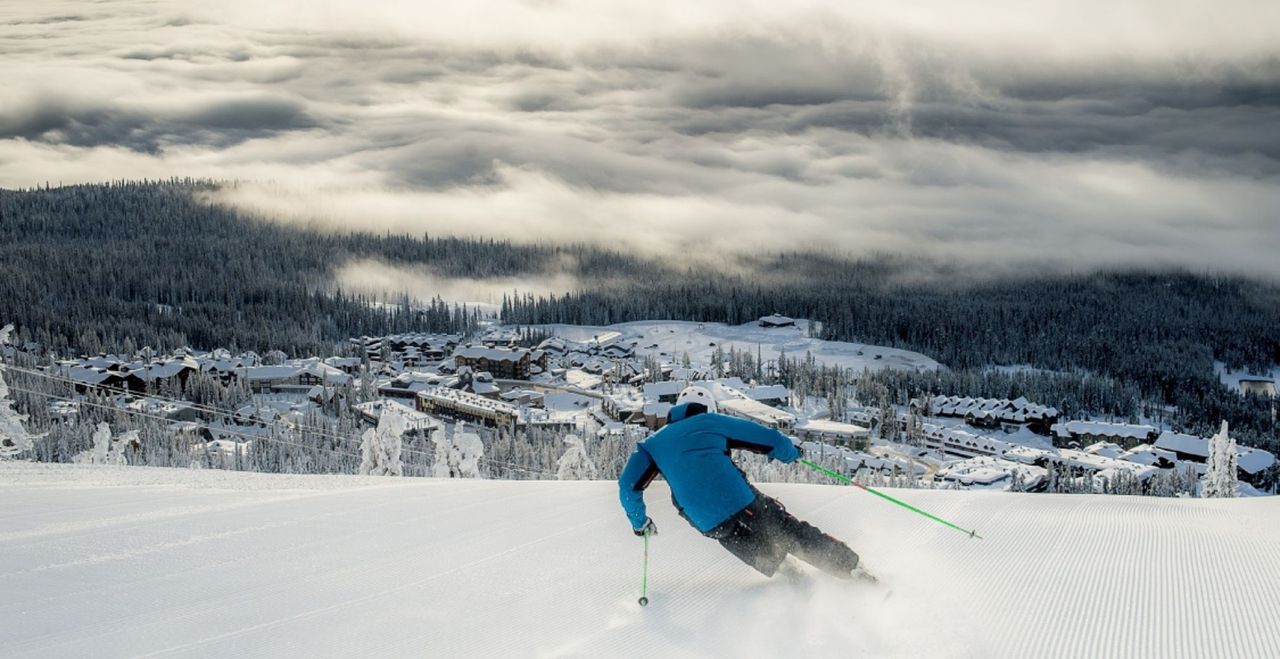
111 266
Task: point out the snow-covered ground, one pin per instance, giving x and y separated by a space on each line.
1261 383
126 561
670 339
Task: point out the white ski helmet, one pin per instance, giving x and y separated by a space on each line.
700 395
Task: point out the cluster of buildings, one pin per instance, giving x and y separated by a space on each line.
992 412
138 375
1144 453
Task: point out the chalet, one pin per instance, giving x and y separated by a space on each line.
86 378
624 410
777 320
663 392
175 370
1083 433
1150 455
655 415
503 363
773 395
1250 462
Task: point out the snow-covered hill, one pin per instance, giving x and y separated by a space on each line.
131 561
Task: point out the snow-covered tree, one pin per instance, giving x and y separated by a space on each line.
380 447
575 464
14 438
107 450
1220 476
458 456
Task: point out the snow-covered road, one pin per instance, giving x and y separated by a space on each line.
143 562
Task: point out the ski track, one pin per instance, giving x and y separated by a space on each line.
154 562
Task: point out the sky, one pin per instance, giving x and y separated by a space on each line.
1039 136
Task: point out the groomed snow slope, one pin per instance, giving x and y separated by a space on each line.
128 561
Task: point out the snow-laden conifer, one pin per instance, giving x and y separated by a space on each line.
575 464
380 447
14 438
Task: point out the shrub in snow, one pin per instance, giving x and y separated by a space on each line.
106 449
1220 474
380 447
457 456
575 464
14 438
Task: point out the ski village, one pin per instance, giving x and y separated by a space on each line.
564 401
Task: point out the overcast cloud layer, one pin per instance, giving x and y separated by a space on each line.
1042 135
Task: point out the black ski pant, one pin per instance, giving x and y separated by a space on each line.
763 533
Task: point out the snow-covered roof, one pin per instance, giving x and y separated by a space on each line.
1105 449
756 411
465 400
770 392
491 354
653 390
831 428
1103 429
657 409
777 319
1148 455
1186 444
1253 460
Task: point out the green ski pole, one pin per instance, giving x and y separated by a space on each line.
644 584
882 495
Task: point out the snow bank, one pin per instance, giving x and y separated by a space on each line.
111 561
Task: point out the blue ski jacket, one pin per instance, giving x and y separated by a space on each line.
692 453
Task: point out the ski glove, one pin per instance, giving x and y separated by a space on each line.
649 527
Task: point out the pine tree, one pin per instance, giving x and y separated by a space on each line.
14 438
1220 474
380 447
457 456
575 464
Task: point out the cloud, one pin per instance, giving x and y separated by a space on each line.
1017 136
388 281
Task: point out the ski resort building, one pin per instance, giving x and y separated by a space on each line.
833 432
751 410
503 363
1250 462
962 443
467 406
663 392
991 412
777 320
1083 433
293 377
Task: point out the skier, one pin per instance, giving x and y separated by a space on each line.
713 495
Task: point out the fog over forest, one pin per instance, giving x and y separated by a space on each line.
1051 136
